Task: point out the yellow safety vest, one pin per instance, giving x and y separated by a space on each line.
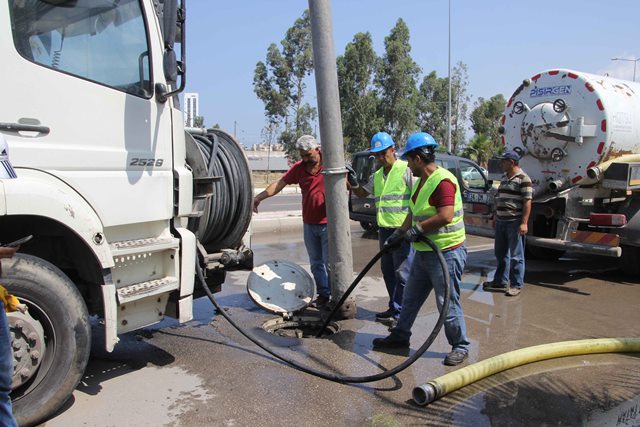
451 234
392 195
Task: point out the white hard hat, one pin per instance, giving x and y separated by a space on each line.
6 168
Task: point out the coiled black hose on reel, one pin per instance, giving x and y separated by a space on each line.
227 213
341 378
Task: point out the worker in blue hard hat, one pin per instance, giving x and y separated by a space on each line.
435 211
391 186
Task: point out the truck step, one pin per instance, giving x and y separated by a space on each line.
146 289
128 247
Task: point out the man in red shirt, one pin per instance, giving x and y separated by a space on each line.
308 174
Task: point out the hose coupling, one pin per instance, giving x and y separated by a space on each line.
424 394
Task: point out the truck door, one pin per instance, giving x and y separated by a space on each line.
83 74
476 198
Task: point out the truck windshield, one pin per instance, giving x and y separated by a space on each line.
98 40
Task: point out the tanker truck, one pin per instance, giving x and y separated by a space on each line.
120 200
578 135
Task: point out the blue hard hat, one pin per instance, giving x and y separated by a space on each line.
381 141
419 140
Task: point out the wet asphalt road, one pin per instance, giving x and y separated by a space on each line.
204 373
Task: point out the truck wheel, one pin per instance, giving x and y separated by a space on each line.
368 226
630 260
51 342
544 254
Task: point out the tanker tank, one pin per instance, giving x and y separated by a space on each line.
569 125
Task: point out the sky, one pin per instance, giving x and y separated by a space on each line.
501 41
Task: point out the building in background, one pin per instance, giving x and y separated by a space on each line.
191 110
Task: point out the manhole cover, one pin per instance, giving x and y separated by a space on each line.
281 287
299 327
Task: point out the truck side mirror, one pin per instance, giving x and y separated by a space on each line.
173 24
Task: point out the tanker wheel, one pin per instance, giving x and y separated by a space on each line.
630 260
51 342
540 253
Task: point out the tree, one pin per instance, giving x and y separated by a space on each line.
358 98
485 117
279 83
432 106
397 78
459 105
479 149
198 122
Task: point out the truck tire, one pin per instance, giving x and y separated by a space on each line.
630 261
544 254
54 305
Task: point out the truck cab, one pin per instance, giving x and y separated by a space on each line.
121 201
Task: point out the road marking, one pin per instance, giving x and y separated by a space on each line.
479 248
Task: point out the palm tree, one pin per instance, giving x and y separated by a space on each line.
480 149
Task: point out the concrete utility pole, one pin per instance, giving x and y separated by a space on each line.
449 98
324 61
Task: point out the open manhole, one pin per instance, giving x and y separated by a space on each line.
299 327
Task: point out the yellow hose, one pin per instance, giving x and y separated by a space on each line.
435 389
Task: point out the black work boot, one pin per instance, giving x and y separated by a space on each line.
492 286
391 341
386 314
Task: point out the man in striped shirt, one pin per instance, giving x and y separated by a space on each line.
513 206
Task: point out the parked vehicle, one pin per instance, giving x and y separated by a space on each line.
472 178
121 202
579 137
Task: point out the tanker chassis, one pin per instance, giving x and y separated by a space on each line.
579 138
120 200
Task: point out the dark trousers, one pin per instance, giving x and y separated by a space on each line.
395 266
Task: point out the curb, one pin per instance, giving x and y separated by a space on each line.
276 222
289 189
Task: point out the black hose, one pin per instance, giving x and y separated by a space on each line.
226 215
339 378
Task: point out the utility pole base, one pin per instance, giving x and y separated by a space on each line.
347 311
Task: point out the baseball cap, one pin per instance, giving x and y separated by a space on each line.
6 168
510 155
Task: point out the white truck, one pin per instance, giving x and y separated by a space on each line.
121 201
579 137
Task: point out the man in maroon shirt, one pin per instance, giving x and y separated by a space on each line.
308 174
435 211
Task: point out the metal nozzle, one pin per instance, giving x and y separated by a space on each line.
555 185
594 173
424 394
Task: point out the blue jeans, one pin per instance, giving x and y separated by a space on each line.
509 251
316 239
426 274
396 266
6 372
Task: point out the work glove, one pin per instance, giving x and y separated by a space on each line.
352 177
394 241
413 234
10 302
